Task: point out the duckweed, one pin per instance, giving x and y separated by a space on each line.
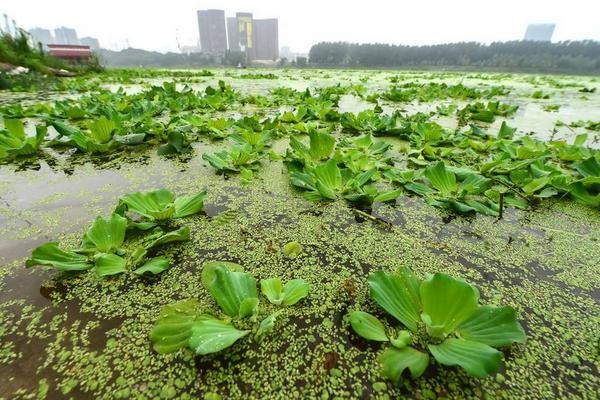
79 336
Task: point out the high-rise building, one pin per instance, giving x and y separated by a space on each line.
266 38
41 35
539 32
286 52
246 34
211 26
90 41
64 35
233 37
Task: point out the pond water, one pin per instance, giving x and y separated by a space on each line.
79 336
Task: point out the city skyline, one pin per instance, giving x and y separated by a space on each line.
257 38
62 35
162 28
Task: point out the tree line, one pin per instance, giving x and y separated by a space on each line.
566 57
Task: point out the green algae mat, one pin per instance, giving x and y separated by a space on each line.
318 184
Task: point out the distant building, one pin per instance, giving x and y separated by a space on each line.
286 52
91 42
233 36
70 52
246 34
213 35
539 32
266 38
258 39
41 35
64 35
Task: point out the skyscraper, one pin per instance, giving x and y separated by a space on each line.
233 36
41 35
539 32
246 34
211 26
90 41
64 35
266 34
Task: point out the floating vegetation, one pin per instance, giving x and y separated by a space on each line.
101 247
185 325
458 330
273 263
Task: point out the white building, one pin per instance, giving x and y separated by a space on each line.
539 32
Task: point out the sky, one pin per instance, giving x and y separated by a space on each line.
159 25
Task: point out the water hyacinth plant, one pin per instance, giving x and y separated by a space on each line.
442 314
103 245
161 205
185 324
14 142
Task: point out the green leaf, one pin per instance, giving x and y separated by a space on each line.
246 175
248 307
506 132
176 143
441 179
321 145
266 326
447 302
580 139
107 235
402 340
155 266
15 127
589 167
208 271
547 192
101 130
12 144
230 289
155 205
292 249
109 264
294 291
188 205
137 256
328 179
494 326
180 235
367 326
394 361
397 294
536 184
477 359
388 196
483 116
278 294
273 289
174 326
211 335
582 195
50 254
142 226
419 188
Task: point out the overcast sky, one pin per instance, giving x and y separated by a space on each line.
155 25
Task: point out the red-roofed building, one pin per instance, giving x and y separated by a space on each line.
70 52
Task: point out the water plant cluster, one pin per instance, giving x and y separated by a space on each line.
147 221
293 279
458 331
467 169
185 324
